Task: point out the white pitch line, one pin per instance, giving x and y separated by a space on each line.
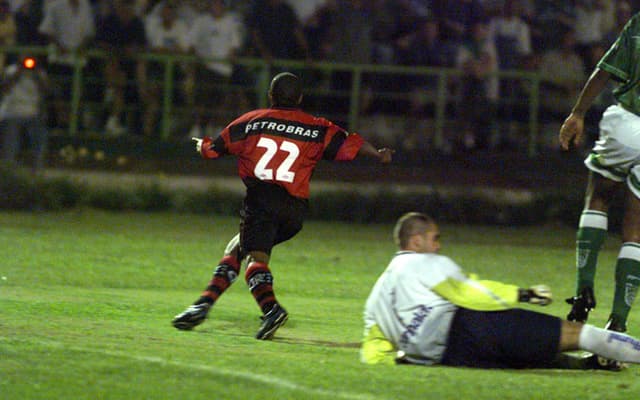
251 376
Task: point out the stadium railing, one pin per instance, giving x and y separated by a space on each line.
346 93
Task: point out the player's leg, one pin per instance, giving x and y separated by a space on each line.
260 281
224 275
611 345
592 231
627 276
513 338
259 235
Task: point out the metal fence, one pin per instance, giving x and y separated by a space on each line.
347 93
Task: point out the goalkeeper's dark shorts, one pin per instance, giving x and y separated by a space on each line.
270 215
513 338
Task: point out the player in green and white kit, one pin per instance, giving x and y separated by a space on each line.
614 164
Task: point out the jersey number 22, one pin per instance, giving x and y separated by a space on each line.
283 174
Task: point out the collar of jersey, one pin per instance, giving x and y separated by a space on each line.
401 252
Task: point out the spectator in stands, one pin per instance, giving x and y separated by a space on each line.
562 76
421 9
23 91
7 31
185 10
69 27
350 41
27 19
352 33
216 38
122 34
275 31
478 61
623 14
589 26
305 10
391 20
511 35
424 47
318 30
552 18
458 17
165 35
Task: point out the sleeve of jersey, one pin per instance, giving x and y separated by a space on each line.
344 146
619 58
479 295
213 148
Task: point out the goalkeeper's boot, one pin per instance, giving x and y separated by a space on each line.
581 304
193 316
613 324
594 361
271 321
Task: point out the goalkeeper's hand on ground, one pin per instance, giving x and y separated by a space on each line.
538 294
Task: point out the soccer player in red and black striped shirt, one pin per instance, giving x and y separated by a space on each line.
277 150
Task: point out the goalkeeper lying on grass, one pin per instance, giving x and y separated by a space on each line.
425 310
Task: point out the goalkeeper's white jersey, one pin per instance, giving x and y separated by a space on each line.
406 309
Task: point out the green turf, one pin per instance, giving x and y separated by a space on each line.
86 300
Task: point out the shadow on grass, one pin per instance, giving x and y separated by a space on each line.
315 342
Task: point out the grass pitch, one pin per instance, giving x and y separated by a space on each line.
86 300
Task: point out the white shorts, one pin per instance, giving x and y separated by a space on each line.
616 154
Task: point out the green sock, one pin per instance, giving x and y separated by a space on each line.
591 234
627 281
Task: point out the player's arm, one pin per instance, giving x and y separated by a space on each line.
344 146
210 148
573 126
485 295
384 155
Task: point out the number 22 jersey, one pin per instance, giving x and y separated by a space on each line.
283 146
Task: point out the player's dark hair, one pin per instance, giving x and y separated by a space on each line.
285 90
410 224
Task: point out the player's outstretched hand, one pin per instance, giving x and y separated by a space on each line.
198 144
386 155
537 294
571 129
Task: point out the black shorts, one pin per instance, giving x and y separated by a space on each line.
270 215
513 338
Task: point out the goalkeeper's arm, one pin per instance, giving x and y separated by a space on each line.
485 295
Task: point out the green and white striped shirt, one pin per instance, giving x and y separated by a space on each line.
622 60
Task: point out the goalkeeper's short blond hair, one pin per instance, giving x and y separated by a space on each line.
411 223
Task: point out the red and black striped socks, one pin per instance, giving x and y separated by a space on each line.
225 274
260 281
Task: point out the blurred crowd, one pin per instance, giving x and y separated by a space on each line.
562 39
